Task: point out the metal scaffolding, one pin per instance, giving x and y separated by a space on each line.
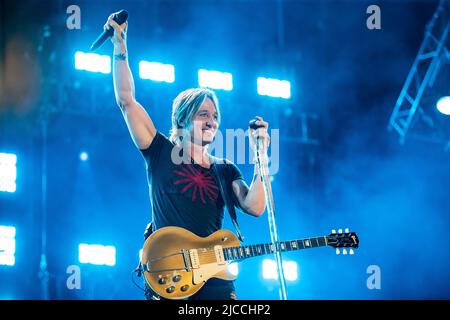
417 97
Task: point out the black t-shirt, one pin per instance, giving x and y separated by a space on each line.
184 195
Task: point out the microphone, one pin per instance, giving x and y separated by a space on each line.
120 17
252 124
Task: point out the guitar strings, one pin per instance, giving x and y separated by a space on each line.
210 256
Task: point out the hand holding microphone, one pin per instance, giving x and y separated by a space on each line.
259 138
115 27
118 27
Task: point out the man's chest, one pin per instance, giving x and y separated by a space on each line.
192 182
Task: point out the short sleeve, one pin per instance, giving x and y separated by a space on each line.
152 153
233 172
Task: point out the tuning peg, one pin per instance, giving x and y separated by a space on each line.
344 251
338 251
351 251
333 231
340 230
346 230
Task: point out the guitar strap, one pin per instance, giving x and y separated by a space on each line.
219 169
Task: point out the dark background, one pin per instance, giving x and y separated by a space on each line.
348 77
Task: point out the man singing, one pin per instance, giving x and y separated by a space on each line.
185 194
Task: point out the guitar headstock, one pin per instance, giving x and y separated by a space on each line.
343 240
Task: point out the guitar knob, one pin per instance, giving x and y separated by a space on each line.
351 251
170 289
340 230
162 280
347 230
176 278
184 288
338 251
344 251
333 231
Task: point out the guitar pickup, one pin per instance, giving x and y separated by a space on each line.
220 257
195 261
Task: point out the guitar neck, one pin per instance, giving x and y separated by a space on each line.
244 252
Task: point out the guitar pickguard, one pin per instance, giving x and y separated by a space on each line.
206 271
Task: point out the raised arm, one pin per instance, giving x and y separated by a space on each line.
138 121
252 199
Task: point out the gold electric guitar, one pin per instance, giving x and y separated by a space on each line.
177 263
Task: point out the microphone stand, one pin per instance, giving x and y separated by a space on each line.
43 274
43 120
271 216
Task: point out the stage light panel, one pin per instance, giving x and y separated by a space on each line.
215 79
97 254
290 269
7 245
92 62
8 172
157 71
233 268
274 88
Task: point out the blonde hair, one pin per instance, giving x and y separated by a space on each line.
184 108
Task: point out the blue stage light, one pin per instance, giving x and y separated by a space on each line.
443 105
84 156
290 269
8 172
233 268
157 71
215 79
269 269
92 62
274 88
97 254
7 245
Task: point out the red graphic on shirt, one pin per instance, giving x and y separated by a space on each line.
200 182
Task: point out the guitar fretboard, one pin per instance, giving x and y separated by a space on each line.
243 252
